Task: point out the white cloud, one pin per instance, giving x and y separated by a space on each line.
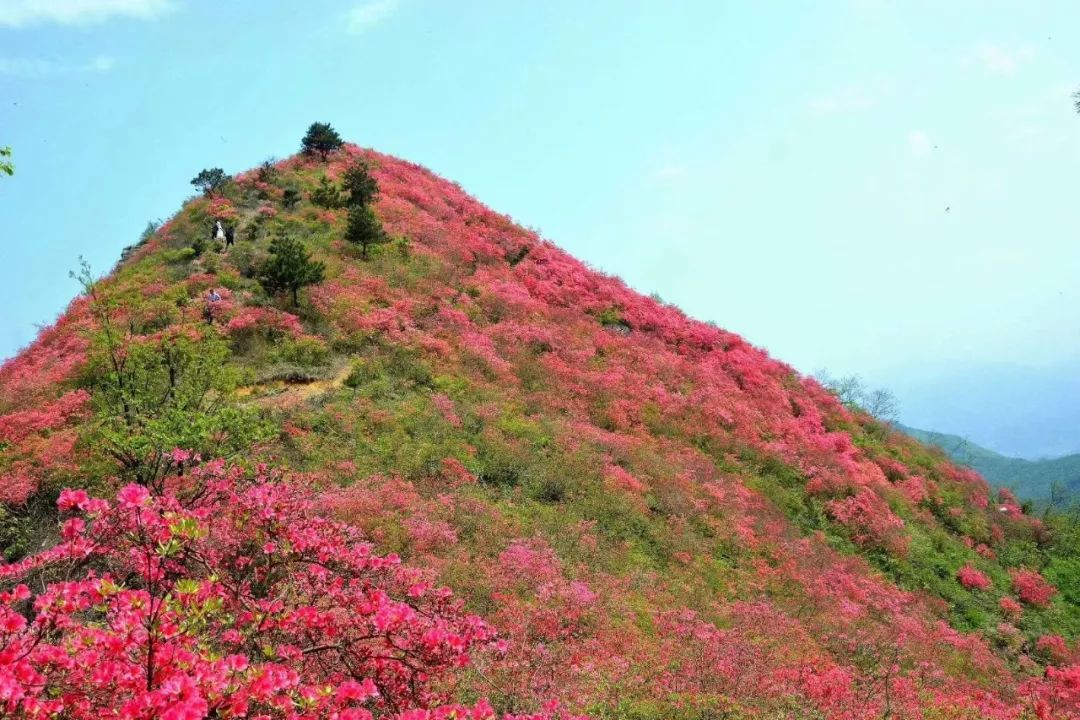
367 14
1001 60
30 67
19 13
919 143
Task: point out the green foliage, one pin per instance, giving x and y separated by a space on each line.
327 195
359 183
16 531
320 139
152 395
291 198
6 166
210 181
268 172
149 231
612 318
364 229
390 373
289 268
306 352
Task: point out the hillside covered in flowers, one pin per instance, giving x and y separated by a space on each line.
457 473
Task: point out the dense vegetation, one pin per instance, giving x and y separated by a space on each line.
644 516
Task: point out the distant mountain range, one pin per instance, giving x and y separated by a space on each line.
1029 479
1021 411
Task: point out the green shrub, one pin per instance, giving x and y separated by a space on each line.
327 195
305 351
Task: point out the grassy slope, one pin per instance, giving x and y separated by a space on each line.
664 521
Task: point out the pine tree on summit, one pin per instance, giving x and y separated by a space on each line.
289 268
321 138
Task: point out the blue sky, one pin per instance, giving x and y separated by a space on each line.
783 169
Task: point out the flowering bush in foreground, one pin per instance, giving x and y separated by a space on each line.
227 599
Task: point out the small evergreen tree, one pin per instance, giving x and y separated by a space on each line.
328 195
359 183
149 231
210 180
268 171
321 138
289 268
364 229
290 198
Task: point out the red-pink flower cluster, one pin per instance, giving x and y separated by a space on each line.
972 578
229 599
1032 587
222 208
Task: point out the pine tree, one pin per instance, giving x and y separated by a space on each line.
321 138
289 268
357 181
364 229
327 195
210 180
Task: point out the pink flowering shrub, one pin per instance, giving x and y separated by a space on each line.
445 406
1032 588
1053 648
221 208
1011 608
972 579
266 322
235 602
869 519
1058 695
18 426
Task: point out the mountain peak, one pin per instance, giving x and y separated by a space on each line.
659 519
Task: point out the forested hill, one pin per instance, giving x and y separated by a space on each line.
638 515
1034 480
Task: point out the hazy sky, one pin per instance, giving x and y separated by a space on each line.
887 188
